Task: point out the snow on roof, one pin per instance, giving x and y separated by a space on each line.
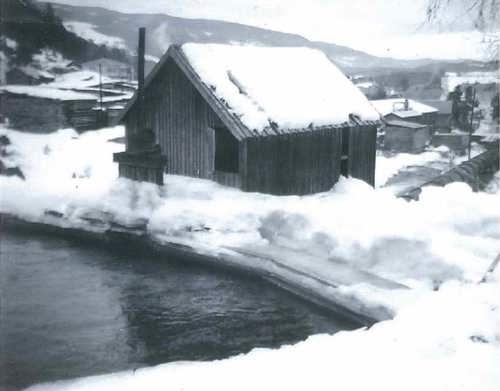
404 124
79 79
396 105
406 113
47 92
291 87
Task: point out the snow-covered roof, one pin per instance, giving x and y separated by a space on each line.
292 88
47 92
396 105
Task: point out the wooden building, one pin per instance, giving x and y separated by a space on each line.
203 134
405 136
43 109
402 109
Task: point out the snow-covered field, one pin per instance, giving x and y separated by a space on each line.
88 31
444 339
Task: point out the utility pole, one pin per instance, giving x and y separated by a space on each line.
100 86
471 120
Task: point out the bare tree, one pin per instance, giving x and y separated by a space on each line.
483 13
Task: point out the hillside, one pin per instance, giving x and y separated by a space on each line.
31 27
163 30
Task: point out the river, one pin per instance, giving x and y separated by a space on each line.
69 310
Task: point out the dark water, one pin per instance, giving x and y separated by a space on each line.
70 310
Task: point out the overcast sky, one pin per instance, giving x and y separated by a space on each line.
315 19
380 27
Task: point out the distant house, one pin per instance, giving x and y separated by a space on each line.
45 109
405 136
110 68
406 110
442 119
272 120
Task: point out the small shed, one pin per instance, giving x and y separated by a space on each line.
45 109
271 120
406 110
111 68
405 136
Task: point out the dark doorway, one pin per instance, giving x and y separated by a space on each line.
344 157
226 151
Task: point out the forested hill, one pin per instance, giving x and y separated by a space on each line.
34 26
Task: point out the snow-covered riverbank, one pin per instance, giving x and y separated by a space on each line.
449 237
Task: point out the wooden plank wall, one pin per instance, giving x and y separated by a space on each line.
300 163
37 115
181 120
362 153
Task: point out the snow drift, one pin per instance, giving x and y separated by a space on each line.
450 233
438 340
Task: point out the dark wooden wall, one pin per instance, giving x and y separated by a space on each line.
41 115
362 153
300 163
182 121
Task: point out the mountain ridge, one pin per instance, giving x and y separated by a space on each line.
164 29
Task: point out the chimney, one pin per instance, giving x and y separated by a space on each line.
140 58
140 77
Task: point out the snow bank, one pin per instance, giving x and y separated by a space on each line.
452 233
442 158
387 167
59 167
47 92
292 87
388 106
447 340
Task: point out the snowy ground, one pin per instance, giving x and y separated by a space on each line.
399 172
450 337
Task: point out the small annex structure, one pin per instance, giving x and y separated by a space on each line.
406 110
406 136
266 119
